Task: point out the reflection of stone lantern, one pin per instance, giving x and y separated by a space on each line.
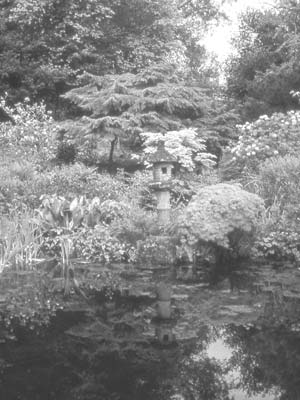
163 166
165 335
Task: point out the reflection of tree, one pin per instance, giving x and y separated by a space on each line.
265 359
194 375
201 379
159 374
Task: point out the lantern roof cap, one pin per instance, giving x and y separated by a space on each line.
162 155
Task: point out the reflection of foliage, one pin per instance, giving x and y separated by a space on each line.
266 359
201 379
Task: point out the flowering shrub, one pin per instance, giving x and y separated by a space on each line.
34 131
279 245
185 145
267 137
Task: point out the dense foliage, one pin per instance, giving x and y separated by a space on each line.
220 216
127 75
185 145
266 137
118 109
31 134
265 67
45 45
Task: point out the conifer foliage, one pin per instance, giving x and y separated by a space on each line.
118 109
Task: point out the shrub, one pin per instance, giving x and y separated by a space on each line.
136 226
155 250
27 184
99 245
278 182
185 145
280 244
33 135
278 179
265 138
14 178
223 216
66 153
73 180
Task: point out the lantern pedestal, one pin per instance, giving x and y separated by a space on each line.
163 165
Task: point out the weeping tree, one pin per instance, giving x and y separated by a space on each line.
110 114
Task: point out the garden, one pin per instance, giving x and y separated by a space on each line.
101 297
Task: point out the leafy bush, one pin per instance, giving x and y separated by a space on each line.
278 182
278 179
281 244
185 145
15 183
98 245
77 179
33 135
155 250
266 137
84 224
136 226
27 184
223 216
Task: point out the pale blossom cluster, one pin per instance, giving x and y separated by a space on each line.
185 145
34 130
267 137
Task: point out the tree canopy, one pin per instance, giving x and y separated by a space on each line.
117 109
46 44
266 65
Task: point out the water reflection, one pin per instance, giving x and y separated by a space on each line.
241 363
222 363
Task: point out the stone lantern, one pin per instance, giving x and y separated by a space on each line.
163 165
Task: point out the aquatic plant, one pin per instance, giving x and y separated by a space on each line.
20 240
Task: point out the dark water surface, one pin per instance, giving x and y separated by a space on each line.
220 344
227 362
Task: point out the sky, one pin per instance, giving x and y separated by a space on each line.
218 41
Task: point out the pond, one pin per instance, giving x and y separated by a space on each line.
221 343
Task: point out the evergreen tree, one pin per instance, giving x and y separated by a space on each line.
115 110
